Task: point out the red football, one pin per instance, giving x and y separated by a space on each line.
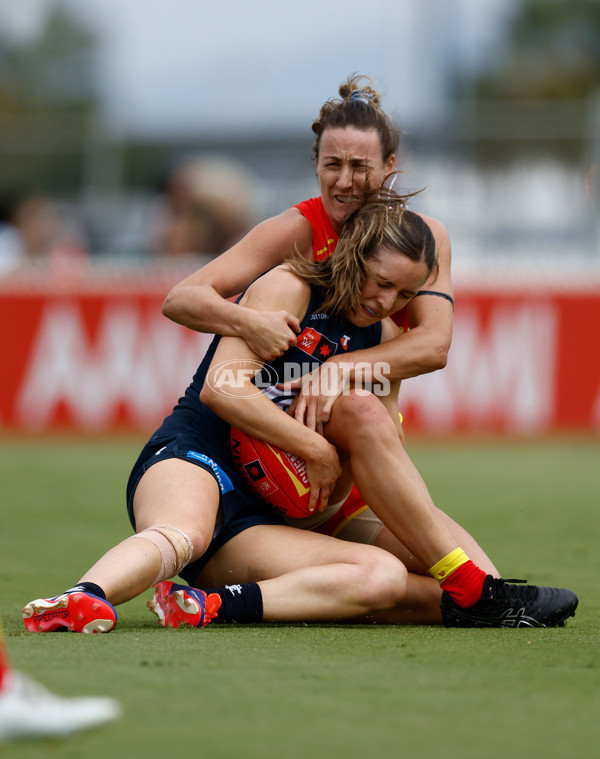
279 478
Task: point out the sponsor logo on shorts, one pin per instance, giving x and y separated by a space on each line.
224 482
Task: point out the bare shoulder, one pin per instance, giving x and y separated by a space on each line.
275 237
278 289
441 279
297 228
437 229
288 230
282 276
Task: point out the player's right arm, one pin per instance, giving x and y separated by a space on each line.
200 301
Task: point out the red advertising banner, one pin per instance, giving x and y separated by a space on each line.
104 358
519 363
95 360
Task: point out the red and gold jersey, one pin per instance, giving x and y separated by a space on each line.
325 238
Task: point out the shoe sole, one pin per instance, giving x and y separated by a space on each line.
455 619
174 609
562 619
61 613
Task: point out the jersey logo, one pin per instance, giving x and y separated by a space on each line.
326 250
344 341
315 344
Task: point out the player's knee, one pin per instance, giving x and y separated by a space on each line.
364 416
200 537
385 584
176 548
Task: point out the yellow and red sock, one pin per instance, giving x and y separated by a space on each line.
458 575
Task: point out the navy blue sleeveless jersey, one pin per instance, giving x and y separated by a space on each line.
193 432
321 337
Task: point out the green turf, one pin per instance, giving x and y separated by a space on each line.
281 692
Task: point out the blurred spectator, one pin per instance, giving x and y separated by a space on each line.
9 238
208 207
33 235
591 183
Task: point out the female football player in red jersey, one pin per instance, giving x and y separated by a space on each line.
354 149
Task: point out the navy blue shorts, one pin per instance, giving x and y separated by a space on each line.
237 509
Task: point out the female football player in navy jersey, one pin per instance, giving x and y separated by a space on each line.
194 516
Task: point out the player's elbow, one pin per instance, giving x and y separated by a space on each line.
434 351
438 355
222 404
170 306
431 346
211 398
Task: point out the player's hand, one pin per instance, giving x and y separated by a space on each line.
270 333
323 470
317 392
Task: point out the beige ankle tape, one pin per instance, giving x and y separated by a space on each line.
175 548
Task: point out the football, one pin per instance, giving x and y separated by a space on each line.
279 478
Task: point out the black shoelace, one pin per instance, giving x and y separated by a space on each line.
503 590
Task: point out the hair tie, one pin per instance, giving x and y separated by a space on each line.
361 96
391 181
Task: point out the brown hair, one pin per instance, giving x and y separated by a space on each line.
358 106
382 220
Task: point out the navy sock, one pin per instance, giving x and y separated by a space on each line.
88 587
239 603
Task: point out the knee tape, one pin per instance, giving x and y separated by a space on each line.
175 548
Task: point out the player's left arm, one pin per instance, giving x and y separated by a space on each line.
230 392
387 392
430 314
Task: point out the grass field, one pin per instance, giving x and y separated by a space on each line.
327 691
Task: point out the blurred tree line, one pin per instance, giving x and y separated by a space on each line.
48 92
541 85
552 52
542 96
